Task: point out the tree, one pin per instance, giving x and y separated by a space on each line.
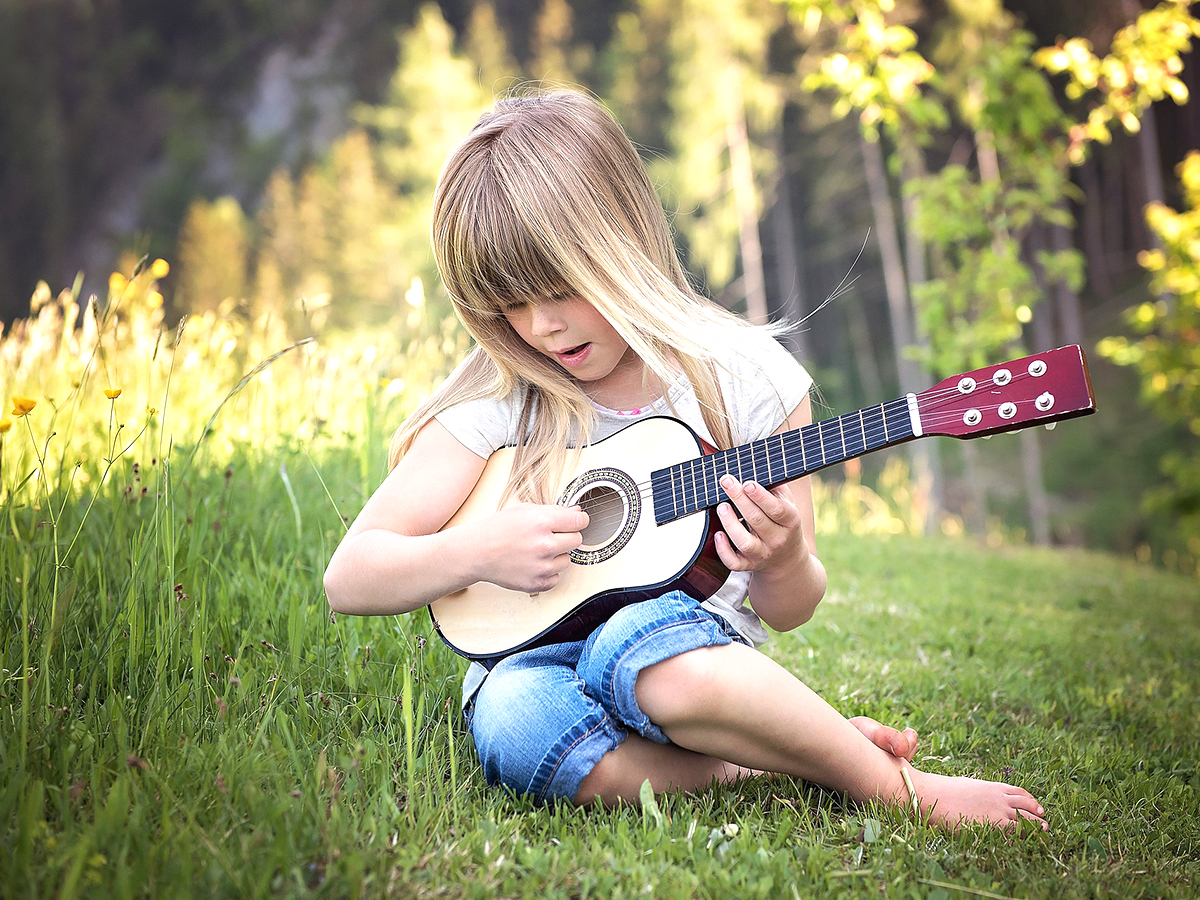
725 113
213 250
432 101
1166 354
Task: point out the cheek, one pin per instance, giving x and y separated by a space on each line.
520 322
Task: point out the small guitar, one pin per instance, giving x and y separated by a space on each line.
649 491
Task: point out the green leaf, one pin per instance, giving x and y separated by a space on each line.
650 807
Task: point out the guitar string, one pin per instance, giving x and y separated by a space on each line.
929 402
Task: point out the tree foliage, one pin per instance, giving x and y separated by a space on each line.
1166 348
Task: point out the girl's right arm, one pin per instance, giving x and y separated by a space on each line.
395 558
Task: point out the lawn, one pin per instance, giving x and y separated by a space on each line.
180 715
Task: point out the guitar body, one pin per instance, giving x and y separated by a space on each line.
625 556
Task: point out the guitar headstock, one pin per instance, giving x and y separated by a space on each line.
1039 389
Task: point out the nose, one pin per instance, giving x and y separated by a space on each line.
545 321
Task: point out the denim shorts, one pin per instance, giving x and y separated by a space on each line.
544 717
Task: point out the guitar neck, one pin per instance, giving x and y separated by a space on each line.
1042 388
693 485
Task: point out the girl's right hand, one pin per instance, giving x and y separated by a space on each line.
526 547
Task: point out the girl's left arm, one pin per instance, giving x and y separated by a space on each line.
773 539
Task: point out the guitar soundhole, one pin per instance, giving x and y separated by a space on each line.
613 504
605 508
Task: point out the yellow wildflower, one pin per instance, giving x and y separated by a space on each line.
154 300
23 406
5 424
117 284
159 268
112 393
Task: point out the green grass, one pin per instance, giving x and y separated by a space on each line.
181 716
226 738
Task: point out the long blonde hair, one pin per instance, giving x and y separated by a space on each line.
547 197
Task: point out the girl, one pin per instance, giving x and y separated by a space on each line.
560 262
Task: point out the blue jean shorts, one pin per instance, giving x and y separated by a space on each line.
544 717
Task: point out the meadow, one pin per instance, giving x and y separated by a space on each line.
181 715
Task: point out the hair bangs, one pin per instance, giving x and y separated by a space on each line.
495 257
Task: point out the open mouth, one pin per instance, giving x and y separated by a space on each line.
574 356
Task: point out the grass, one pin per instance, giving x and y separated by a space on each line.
180 715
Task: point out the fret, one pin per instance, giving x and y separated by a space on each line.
705 498
874 427
720 465
897 419
689 482
793 453
762 462
813 457
831 448
853 435
745 462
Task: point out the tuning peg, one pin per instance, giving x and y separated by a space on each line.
1050 426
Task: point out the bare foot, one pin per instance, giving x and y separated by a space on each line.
901 744
954 801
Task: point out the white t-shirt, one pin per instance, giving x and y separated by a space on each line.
761 384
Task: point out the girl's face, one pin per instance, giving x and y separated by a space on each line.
572 332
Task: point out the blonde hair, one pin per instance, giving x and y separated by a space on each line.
547 197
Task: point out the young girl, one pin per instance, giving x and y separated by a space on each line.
560 262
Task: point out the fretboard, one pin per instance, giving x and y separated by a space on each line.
694 485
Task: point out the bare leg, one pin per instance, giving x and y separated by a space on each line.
620 773
733 703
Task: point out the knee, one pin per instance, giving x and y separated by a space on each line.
679 688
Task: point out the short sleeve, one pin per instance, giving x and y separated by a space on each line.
483 425
763 387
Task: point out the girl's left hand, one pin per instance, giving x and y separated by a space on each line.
768 532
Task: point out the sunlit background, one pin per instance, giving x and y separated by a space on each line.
190 188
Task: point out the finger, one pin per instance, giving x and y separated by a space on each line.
760 507
565 519
728 553
742 539
566 541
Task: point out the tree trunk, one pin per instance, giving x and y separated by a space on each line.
1066 298
1093 229
1035 487
899 312
1031 454
789 262
746 201
918 273
894 281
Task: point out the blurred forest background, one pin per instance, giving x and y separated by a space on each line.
972 180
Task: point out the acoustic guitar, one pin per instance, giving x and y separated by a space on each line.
650 490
